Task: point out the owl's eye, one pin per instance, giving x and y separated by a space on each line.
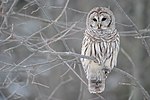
94 19
103 19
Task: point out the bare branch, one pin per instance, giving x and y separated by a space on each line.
134 33
145 93
69 54
57 87
135 27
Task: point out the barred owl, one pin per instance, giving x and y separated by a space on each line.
101 41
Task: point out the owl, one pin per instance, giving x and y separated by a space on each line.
101 41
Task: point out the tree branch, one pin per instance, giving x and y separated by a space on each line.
145 93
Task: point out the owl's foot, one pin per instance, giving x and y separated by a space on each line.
96 86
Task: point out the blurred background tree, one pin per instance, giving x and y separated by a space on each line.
36 34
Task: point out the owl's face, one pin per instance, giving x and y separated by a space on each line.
100 19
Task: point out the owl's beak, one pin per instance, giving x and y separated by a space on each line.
99 26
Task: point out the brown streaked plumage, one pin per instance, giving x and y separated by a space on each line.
102 41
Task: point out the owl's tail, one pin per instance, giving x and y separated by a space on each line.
96 86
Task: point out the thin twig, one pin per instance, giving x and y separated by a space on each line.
145 93
75 10
57 87
127 84
133 33
128 57
66 4
33 17
54 66
131 95
69 54
135 27
124 24
131 61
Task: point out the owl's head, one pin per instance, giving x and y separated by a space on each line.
100 19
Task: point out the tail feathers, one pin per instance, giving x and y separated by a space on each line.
96 86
